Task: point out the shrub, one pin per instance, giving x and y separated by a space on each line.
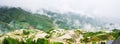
10 40
30 41
26 32
42 41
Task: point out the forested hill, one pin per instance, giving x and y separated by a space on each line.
17 18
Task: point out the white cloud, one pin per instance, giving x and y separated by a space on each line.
106 8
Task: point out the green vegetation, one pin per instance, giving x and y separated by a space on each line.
29 41
26 32
57 43
90 34
42 41
17 18
115 33
10 40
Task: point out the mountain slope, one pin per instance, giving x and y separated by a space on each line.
71 20
17 18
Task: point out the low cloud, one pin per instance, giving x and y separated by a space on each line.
100 8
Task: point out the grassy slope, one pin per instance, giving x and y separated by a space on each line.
15 18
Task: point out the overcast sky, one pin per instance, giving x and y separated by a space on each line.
104 8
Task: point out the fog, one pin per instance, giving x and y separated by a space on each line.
99 8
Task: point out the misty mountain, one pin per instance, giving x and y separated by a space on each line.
71 20
12 18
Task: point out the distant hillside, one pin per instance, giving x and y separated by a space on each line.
17 18
71 20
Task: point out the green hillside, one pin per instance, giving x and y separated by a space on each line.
17 18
